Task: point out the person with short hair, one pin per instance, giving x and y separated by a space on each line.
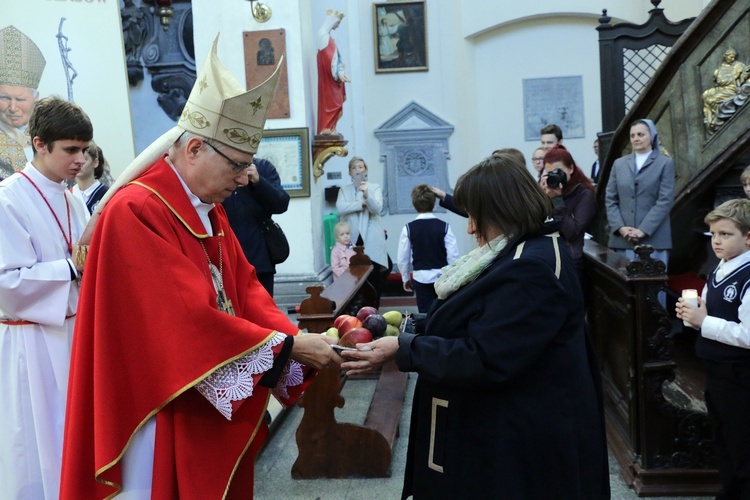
505 368
745 180
595 170
40 222
426 245
21 68
360 204
342 250
537 160
178 346
88 187
722 315
551 136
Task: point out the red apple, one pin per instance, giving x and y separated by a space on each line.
363 313
376 324
344 323
355 336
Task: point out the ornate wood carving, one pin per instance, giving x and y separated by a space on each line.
166 52
324 148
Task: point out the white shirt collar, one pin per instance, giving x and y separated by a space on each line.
726 267
428 215
200 207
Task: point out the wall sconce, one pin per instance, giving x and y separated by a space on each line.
261 11
164 12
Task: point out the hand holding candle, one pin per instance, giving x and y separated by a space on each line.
690 296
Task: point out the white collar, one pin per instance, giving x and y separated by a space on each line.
200 207
428 215
729 266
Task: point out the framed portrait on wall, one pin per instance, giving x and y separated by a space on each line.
400 36
289 151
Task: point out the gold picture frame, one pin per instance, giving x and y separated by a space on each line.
400 36
289 151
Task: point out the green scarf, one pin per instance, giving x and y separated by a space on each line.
468 267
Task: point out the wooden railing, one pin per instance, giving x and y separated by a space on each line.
657 426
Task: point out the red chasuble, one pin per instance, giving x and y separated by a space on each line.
331 92
148 330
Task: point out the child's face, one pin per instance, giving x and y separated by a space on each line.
344 236
727 240
746 188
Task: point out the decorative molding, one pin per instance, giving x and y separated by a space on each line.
167 53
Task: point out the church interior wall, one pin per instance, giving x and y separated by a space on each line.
479 53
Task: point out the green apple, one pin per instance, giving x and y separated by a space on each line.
333 332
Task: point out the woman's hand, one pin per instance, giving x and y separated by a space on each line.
551 192
369 357
632 234
690 313
315 350
363 187
438 192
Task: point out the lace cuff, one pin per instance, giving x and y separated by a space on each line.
234 381
291 376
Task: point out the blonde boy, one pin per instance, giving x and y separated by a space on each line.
723 317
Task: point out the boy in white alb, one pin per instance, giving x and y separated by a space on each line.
40 222
723 317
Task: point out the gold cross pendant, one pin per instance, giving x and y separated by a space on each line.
225 304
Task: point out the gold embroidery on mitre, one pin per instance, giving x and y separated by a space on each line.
256 104
23 62
198 120
236 135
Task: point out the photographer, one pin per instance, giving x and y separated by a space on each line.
573 199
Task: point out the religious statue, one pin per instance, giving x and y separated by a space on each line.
729 77
331 76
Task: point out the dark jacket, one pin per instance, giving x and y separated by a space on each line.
575 211
447 204
270 198
508 400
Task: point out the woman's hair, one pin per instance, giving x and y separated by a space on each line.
95 152
562 155
354 160
500 193
422 198
513 152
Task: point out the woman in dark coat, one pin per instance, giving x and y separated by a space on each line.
508 399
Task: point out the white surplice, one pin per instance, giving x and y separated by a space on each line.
35 286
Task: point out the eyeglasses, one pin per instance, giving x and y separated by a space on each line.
537 159
236 166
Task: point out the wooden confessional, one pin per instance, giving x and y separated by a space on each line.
653 383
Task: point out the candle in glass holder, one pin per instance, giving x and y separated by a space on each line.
690 296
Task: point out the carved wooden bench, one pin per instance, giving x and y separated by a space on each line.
328 448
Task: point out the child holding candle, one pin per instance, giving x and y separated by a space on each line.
723 317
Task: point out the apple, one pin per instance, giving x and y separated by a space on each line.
344 323
340 319
363 313
376 324
333 332
355 336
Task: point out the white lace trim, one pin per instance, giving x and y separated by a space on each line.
234 382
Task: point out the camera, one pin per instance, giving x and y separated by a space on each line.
556 178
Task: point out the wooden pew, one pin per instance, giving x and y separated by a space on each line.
328 448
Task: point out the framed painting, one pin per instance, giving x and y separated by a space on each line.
400 30
289 151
